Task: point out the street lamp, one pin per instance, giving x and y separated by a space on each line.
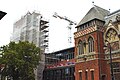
111 66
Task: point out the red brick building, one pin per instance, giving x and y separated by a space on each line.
92 61
97 35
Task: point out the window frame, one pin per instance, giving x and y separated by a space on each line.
90 44
92 75
80 75
80 47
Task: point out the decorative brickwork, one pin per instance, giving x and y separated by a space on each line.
84 32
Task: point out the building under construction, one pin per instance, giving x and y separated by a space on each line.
33 27
60 65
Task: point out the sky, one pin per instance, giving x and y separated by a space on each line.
75 10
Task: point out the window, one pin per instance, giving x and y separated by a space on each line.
80 75
91 44
84 47
103 77
116 67
80 48
67 71
86 75
92 75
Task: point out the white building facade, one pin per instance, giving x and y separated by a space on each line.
33 28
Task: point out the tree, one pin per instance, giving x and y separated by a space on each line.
19 60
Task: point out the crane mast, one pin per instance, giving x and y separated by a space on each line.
69 26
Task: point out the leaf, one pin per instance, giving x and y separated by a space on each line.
19 59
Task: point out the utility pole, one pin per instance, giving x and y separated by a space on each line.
69 27
111 63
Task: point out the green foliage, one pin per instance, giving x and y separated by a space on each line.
20 60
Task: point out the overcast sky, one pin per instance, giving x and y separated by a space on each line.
73 9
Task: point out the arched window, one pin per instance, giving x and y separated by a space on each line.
91 44
80 47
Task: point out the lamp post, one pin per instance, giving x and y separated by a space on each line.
111 66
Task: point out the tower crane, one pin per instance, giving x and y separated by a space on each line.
69 27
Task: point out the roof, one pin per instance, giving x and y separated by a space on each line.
94 13
115 12
60 51
112 16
